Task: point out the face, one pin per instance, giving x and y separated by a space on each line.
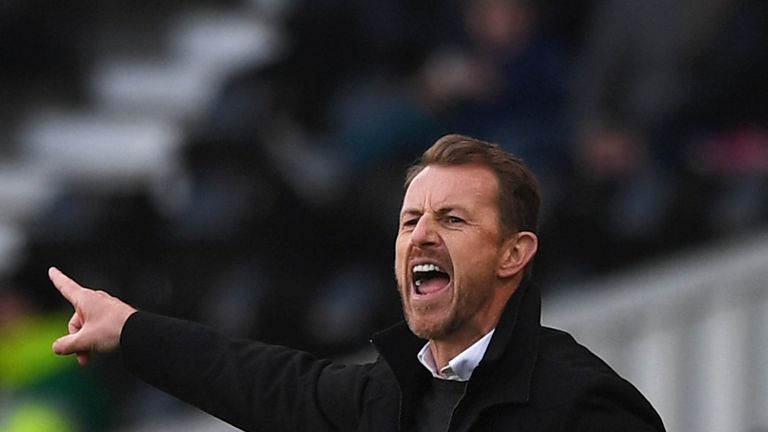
498 23
448 252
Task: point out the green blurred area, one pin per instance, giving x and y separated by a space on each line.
42 392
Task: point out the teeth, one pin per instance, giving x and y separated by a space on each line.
427 268
424 268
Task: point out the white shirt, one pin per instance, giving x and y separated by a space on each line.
459 368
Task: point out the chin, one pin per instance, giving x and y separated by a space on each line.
431 329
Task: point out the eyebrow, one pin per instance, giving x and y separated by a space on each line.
446 210
442 211
410 212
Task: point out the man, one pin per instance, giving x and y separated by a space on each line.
472 357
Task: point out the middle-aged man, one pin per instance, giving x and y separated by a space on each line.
473 355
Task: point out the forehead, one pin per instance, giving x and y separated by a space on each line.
439 185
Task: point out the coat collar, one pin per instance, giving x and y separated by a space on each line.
506 369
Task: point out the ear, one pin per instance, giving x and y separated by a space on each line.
517 252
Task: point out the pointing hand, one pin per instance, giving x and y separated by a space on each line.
97 322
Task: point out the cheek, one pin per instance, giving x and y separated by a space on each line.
472 257
401 250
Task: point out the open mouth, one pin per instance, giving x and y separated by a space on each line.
429 278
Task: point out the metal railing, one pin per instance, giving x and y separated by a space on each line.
691 332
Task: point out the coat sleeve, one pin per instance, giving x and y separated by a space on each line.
251 385
613 405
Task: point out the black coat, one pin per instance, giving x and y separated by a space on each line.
531 379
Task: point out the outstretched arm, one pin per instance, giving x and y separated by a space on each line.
254 386
97 322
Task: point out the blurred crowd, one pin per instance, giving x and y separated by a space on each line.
646 123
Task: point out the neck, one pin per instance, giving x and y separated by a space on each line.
444 351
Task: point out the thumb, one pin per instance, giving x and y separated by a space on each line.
70 344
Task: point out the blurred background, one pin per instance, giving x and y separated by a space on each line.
240 163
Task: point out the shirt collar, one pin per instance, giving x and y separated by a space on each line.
459 368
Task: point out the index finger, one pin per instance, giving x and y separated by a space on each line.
66 286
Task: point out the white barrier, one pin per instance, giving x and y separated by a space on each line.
691 332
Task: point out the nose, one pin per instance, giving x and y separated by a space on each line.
425 233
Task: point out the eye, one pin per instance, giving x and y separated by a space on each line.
454 220
409 222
